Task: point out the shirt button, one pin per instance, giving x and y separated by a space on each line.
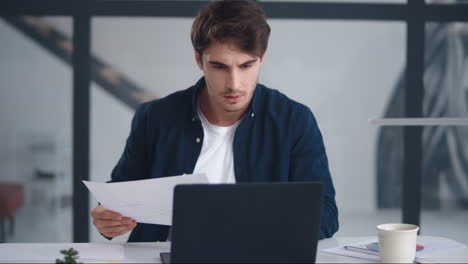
197 140
252 115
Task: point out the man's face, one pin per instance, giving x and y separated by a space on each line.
230 74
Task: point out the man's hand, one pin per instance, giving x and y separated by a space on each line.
111 224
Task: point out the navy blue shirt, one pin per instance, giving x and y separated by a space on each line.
277 141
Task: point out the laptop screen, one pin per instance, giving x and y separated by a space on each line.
248 222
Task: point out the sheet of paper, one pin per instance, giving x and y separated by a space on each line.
343 252
146 201
432 247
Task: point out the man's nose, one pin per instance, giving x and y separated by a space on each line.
233 80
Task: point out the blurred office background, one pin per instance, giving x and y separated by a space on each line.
347 71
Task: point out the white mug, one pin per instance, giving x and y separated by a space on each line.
397 242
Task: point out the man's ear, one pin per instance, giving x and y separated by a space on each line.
262 59
198 60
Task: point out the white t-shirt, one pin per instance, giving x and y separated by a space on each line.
216 158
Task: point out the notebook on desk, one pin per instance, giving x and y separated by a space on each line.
255 222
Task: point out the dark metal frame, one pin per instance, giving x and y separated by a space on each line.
415 13
412 135
81 124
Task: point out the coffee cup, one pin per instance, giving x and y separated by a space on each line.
397 242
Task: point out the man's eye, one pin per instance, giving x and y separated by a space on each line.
219 67
246 66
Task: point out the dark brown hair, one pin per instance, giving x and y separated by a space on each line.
241 21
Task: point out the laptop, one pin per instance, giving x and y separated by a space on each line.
246 222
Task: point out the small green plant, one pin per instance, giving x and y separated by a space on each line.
70 256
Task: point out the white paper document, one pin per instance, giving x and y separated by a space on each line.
432 247
343 252
146 201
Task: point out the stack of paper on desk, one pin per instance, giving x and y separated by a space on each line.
432 247
146 201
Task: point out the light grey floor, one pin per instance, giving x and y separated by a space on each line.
55 225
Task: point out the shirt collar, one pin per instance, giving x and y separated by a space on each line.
251 111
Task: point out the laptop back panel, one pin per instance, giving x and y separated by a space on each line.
256 222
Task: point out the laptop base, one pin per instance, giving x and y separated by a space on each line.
165 257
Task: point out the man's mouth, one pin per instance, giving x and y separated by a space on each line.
232 98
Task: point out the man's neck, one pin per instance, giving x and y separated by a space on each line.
217 116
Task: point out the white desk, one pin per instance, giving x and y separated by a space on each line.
149 252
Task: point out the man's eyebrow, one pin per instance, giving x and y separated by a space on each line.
222 64
217 63
249 62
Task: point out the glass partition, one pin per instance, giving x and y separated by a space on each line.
348 73
445 152
35 141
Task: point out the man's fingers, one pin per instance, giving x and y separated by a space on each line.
114 229
117 229
99 223
109 215
115 234
110 223
102 213
118 232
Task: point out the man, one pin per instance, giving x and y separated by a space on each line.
226 125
